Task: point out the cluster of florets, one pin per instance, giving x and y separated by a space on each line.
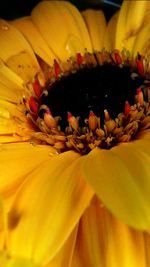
92 134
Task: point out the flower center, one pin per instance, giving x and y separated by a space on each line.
97 89
100 101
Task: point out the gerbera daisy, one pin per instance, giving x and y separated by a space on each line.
75 137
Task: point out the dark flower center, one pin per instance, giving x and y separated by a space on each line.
99 101
99 88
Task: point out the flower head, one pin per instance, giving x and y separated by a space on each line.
75 137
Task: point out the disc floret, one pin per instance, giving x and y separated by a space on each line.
95 130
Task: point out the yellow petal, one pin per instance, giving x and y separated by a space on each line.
142 41
12 118
13 123
121 25
63 38
7 261
52 199
110 34
7 125
147 246
11 138
104 241
17 161
40 47
130 21
11 85
7 109
96 24
80 24
121 179
2 224
14 126
64 256
144 135
90 247
16 52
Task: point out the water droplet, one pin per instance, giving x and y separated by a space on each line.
73 45
52 154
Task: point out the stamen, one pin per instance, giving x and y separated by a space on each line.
73 122
106 115
110 125
140 66
37 88
57 69
92 121
33 104
88 86
127 108
79 59
140 97
118 58
50 120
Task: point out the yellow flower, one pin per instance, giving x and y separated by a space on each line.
75 187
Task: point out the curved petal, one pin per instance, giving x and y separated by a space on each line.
121 178
110 34
40 47
7 261
12 90
104 241
130 21
96 24
64 256
13 122
144 135
52 199
19 160
7 121
142 41
121 25
16 52
47 16
80 24
147 246
11 85
2 224
14 125
91 241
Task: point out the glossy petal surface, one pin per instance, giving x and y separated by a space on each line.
123 186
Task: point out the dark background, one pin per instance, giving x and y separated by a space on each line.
10 9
